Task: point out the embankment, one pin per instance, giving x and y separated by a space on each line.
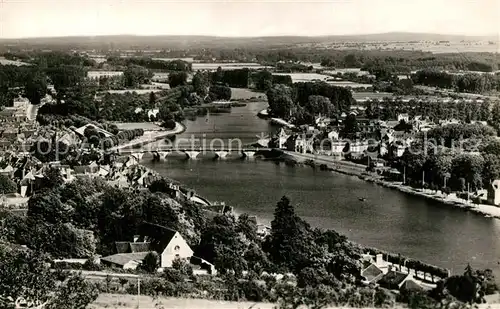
359 171
151 137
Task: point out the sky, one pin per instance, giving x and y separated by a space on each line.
47 18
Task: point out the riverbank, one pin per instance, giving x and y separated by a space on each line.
359 170
281 122
150 137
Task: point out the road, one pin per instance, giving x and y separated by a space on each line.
328 160
32 110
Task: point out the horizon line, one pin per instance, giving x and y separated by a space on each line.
251 37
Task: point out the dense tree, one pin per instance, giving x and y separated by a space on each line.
65 77
238 78
136 75
25 276
49 208
7 185
290 243
177 79
174 65
340 97
200 84
36 88
350 126
151 262
222 243
280 101
468 167
317 104
219 92
263 80
68 241
52 178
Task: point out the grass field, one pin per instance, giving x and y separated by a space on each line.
147 126
146 302
244 93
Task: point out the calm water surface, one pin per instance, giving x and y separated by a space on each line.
388 219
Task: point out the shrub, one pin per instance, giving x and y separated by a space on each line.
151 262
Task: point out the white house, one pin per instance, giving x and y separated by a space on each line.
494 192
333 135
168 243
405 117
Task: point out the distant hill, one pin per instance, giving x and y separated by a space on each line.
176 41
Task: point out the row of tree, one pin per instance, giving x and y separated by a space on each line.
120 138
152 64
455 168
434 111
469 82
303 101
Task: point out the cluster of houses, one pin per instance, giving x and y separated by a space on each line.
380 138
377 271
123 172
15 126
167 243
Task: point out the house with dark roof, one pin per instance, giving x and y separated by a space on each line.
124 260
203 265
395 280
168 243
372 274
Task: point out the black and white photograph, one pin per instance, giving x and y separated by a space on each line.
249 154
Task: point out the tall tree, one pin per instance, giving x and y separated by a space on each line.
177 79
290 244
200 84
26 276
36 87
7 185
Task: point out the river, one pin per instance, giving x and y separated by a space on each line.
388 219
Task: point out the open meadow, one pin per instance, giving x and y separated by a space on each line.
245 94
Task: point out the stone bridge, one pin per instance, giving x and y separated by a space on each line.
191 152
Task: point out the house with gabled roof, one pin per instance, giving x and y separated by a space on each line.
372 274
395 280
124 260
168 243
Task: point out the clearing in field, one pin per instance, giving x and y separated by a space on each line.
244 94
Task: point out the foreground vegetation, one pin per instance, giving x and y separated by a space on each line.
321 267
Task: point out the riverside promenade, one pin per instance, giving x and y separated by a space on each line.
359 170
150 137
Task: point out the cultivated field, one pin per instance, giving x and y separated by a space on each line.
4 61
305 77
138 91
226 66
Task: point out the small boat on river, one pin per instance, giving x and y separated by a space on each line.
362 199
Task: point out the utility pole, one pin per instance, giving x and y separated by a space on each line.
467 193
423 179
404 174
138 292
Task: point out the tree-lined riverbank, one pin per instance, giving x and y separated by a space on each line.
359 170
